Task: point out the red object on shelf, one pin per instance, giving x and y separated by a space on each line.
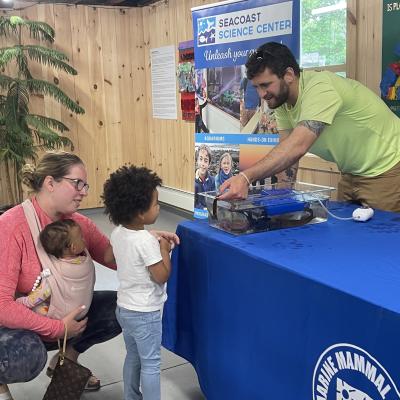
395 68
186 54
187 106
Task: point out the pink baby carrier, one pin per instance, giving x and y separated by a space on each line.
71 284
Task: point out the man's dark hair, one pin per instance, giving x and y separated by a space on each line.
55 237
128 192
274 56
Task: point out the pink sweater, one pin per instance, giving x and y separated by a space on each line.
20 266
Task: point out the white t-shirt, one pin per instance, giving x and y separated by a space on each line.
134 251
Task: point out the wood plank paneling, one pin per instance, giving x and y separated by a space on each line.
313 169
110 48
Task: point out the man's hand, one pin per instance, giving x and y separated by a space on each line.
238 188
73 327
172 238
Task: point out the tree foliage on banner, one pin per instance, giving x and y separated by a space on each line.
324 33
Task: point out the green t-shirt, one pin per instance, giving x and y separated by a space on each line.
362 136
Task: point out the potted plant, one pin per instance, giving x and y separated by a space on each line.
22 133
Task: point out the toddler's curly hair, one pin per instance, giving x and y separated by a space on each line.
128 192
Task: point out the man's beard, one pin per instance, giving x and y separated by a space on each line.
281 98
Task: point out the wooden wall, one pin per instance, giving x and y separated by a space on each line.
106 46
110 49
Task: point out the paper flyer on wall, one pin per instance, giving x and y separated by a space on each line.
229 112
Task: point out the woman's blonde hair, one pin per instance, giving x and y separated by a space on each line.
55 164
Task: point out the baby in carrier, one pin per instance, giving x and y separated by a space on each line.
69 281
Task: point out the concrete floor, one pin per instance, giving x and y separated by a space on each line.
178 378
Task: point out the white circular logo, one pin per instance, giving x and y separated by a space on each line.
347 372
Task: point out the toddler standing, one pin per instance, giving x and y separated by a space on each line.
143 267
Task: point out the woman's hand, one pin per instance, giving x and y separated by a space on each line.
172 238
73 327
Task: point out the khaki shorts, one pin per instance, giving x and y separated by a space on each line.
382 191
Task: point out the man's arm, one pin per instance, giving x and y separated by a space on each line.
284 155
290 173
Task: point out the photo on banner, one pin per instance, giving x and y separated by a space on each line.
228 110
219 157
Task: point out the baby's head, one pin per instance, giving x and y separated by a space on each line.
225 163
131 192
62 238
203 159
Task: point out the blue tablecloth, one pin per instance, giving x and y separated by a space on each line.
295 314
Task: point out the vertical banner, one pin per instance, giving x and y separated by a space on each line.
228 109
390 84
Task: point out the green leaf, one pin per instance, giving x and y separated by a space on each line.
23 134
6 27
41 31
46 136
16 104
9 53
38 30
16 20
45 50
39 86
6 81
50 122
50 57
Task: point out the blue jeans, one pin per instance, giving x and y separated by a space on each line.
142 335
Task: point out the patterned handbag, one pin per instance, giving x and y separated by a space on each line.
69 378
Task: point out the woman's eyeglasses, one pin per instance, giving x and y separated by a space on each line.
78 183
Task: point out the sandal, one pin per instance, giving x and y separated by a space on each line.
93 382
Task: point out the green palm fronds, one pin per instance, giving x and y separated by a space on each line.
45 135
15 53
5 82
38 30
22 63
16 104
8 27
23 134
50 57
7 54
40 54
38 86
51 123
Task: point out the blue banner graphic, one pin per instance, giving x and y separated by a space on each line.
235 139
226 35
230 116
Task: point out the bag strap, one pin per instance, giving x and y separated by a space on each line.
35 227
64 346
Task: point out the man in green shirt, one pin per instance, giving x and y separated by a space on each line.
335 118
